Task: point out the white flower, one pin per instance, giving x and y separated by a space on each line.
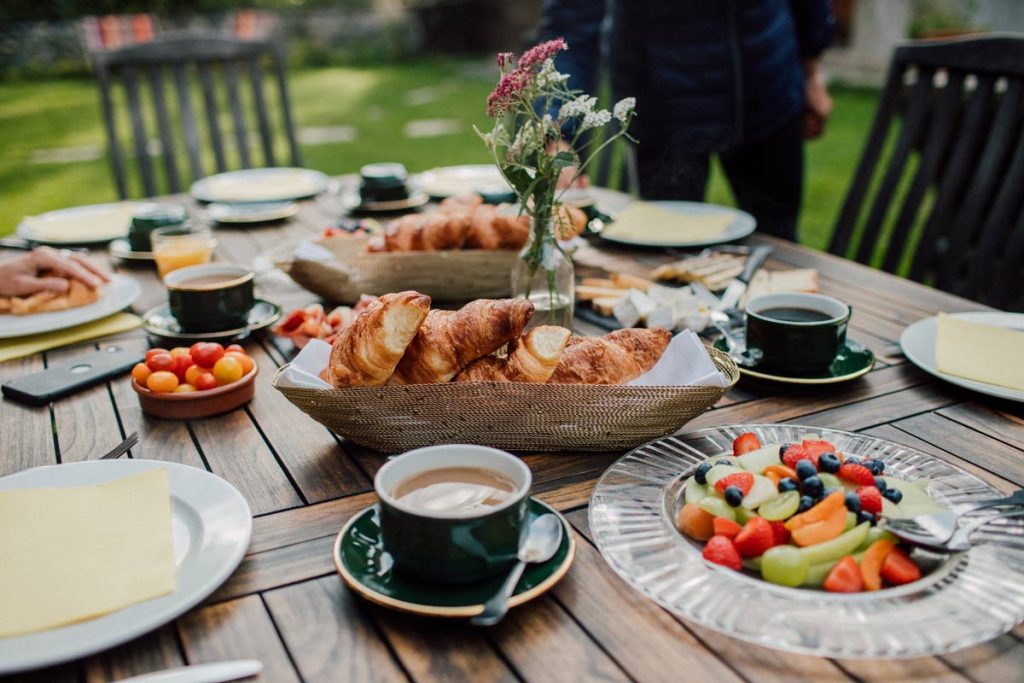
526 139
595 119
623 108
581 106
549 75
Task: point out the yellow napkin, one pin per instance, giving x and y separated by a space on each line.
76 553
26 346
983 353
642 220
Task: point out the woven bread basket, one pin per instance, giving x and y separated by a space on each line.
454 275
510 415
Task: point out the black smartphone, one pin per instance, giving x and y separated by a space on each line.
55 383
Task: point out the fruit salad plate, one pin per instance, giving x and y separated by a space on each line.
782 547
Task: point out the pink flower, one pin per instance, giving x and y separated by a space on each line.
508 91
505 59
537 54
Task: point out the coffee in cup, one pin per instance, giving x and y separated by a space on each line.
212 297
796 332
453 513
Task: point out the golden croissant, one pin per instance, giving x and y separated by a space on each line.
77 294
365 353
616 358
447 341
533 358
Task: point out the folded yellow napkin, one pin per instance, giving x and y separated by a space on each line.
76 553
26 346
646 221
983 353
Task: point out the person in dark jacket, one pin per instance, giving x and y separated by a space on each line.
734 78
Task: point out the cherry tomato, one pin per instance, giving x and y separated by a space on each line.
160 361
141 373
208 354
206 381
162 382
184 389
153 352
181 351
192 374
227 370
192 349
242 358
234 348
181 365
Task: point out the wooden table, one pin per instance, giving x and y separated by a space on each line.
286 606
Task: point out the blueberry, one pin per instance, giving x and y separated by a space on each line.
723 462
813 486
878 464
806 468
853 460
895 495
701 475
852 502
880 484
829 462
865 516
876 467
733 495
806 503
783 448
788 484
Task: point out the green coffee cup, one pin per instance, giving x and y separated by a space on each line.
151 217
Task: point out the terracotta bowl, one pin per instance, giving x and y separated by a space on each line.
199 403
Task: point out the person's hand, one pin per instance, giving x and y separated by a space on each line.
566 175
47 270
819 104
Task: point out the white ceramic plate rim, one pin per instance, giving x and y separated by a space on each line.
26 230
223 212
470 175
205 189
218 523
118 294
918 344
742 224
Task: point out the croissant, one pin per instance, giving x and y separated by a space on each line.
423 232
490 229
570 221
366 352
532 359
450 340
616 358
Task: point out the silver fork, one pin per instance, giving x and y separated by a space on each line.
724 323
961 538
122 447
940 526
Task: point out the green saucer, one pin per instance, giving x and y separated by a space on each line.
853 361
366 568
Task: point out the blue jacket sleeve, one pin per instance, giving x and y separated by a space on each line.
814 25
579 22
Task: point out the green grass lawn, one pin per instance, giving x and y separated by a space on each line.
377 102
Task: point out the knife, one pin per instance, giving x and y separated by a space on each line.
202 673
734 292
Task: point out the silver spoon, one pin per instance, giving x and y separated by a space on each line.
542 540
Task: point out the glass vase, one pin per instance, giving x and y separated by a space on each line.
543 274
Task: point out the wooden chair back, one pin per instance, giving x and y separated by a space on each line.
227 75
938 194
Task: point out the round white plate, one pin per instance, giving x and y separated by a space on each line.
251 212
120 248
90 224
741 225
260 185
211 523
118 294
918 344
450 181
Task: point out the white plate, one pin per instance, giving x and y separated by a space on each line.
251 212
260 185
741 225
80 224
449 181
118 294
211 523
918 345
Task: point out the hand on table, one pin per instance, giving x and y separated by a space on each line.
819 103
47 270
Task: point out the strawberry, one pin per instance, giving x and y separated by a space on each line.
795 454
816 449
726 527
720 550
856 473
745 443
845 577
870 499
898 569
780 533
744 481
757 536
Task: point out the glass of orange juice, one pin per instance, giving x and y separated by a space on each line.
181 245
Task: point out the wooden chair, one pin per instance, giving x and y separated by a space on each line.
939 191
216 67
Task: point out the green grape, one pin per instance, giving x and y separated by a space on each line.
784 565
838 547
743 515
830 481
717 507
782 506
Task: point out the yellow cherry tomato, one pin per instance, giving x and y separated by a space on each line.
181 351
184 389
244 359
141 373
162 382
227 370
193 373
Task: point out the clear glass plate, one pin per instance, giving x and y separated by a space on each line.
970 598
